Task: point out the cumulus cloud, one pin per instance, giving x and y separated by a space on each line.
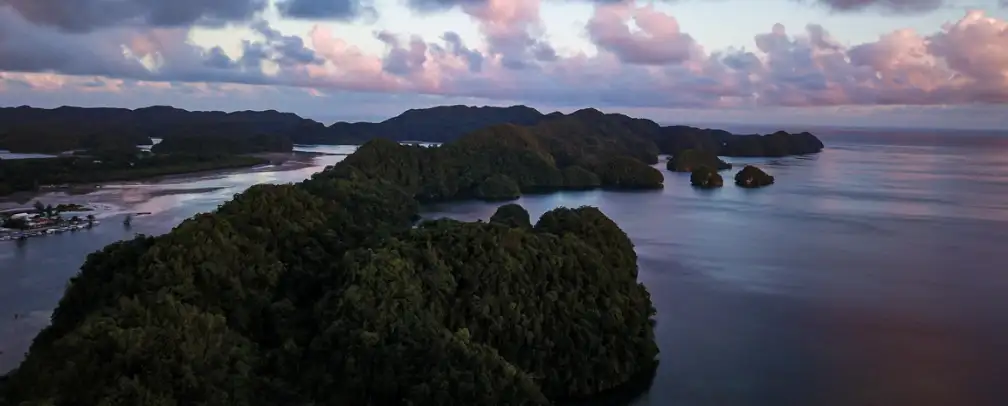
899 6
656 64
326 9
144 53
659 41
512 29
284 50
88 15
894 6
403 60
454 45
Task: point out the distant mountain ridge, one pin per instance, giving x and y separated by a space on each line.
22 128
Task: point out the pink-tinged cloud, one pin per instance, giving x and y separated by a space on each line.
659 41
658 65
512 30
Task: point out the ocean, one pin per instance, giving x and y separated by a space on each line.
873 273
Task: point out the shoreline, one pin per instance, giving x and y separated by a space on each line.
276 161
66 225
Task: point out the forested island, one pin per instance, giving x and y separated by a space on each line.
222 144
582 150
23 128
324 292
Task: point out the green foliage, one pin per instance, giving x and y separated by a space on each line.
705 177
497 163
162 352
578 178
594 134
223 144
29 174
498 187
512 215
53 138
627 173
596 229
676 139
323 293
753 177
691 159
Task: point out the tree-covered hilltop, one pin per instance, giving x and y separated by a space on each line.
689 160
753 177
635 137
674 139
707 178
223 144
51 138
499 163
323 293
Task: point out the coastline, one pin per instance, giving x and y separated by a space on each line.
272 161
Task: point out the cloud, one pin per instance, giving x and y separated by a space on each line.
403 60
284 50
142 53
654 65
842 6
513 31
659 41
326 9
455 46
897 6
89 15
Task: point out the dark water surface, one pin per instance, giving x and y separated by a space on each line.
875 273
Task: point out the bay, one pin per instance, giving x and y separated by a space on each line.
872 273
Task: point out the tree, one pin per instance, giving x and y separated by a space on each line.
327 292
39 207
511 215
705 177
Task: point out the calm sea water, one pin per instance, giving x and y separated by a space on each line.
871 274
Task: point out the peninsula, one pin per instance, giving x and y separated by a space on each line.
325 292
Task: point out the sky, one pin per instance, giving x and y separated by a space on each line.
901 63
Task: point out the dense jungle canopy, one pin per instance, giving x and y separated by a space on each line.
324 292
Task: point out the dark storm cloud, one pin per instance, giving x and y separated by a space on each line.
899 6
326 9
25 47
89 15
438 5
